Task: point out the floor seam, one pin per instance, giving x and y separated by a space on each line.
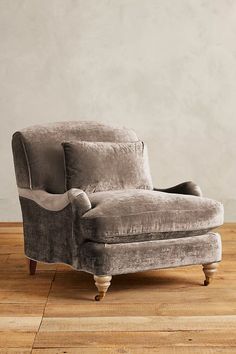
54 276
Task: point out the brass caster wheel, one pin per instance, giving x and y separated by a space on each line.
99 297
102 283
209 270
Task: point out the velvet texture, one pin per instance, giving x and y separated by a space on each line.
138 215
57 202
53 236
38 154
189 188
99 259
48 235
98 166
109 232
21 164
79 201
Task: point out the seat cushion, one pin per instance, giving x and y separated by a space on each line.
139 215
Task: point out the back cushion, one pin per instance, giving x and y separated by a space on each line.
98 166
38 153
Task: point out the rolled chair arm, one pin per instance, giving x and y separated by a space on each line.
189 188
79 200
56 202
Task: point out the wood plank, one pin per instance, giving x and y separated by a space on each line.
101 309
195 294
10 224
36 295
6 239
11 227
19 310
134 309
15 350
138 323
11 243
10 339
143 350
14 248
21 324
82 350
207 308
26 282
3 258
17 263
135 339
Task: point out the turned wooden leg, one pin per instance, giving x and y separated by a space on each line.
102 283
31 266
209 270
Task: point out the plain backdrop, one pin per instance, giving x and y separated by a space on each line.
163 67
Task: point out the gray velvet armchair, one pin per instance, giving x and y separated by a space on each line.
87 200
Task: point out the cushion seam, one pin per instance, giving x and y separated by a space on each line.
147 212
161 232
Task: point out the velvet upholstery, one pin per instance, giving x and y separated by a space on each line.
189 188
48 235
52 237
57 202
99 258
38 154
107 232
99 166
136 215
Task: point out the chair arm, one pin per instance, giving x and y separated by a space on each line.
190 188
56 202
79 200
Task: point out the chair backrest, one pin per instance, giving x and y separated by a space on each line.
38 154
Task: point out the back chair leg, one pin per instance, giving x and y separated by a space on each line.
209 271
102 283
32 266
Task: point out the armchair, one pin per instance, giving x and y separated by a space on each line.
117 226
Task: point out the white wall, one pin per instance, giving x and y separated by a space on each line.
166 68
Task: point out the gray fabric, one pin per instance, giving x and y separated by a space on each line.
38 154
137 215
96 232
100 259
99 166
54 237
189 188
53 202
48 235
21 164
80 201
57 202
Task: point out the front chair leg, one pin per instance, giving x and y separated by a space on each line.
209 271
102 283
31 266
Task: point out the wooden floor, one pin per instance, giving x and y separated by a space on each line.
167 311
